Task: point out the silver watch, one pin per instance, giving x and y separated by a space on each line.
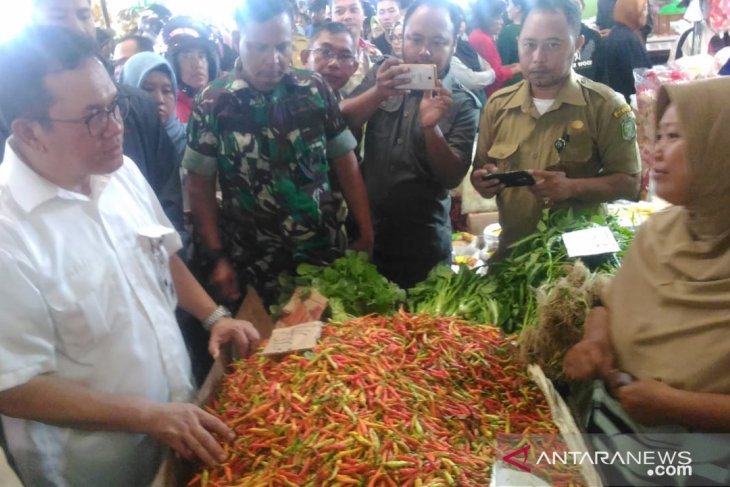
220 312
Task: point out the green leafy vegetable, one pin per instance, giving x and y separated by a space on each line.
351 283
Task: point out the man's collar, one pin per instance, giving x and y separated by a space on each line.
29 189
238 82
570 93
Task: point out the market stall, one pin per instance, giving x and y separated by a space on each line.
407 388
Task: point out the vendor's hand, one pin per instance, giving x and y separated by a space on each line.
646 401
551 186
588 359
188 430
490 188
241 332
434 105
386 83
223 278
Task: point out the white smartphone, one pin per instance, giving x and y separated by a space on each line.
422 77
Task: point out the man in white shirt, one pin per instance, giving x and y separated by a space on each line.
94 373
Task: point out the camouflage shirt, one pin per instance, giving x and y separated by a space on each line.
270 153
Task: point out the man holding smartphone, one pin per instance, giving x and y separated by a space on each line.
417 144
575 137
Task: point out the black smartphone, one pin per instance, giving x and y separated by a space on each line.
511 179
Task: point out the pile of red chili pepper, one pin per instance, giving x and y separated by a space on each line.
394 401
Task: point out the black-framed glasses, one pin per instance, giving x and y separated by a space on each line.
98 121
343 57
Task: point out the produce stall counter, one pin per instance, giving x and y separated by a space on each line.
399 400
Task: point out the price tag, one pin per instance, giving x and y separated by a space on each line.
591 241
293 338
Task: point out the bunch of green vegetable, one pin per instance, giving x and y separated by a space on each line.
351 283
506 296
540 258
465 294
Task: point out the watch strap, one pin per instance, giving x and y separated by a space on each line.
212 319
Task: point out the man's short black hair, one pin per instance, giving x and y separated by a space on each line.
566 7
262 10
144 43
450 7
332 28
26 61
484 12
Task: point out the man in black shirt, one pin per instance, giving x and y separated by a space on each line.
589 62
388 12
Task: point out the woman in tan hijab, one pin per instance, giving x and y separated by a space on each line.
624 47
661 341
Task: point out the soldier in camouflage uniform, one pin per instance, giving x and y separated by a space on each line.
267 133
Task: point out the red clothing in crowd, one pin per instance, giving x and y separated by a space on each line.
184 106
484 44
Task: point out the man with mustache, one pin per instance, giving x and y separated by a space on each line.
94 374
418 145
268 134
577 137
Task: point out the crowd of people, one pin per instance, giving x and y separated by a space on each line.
146 189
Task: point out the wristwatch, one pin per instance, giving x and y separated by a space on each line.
212 319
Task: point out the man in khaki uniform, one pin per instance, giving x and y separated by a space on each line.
576 137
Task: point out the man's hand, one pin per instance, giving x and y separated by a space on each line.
188 430
645 401
223 278
486 188
551 186
515 68
434 107
363 245
242 333
386 83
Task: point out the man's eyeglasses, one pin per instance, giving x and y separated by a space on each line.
97 122
328 55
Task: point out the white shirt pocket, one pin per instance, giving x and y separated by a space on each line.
76 302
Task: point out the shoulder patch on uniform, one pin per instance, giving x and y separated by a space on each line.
506 90
623 110
628 126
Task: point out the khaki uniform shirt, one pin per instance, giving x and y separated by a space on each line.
592 123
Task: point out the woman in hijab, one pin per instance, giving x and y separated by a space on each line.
153 74
660 340
624 49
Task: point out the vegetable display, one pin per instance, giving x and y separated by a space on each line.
381 401
507 296
351 283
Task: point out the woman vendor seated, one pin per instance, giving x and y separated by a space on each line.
660 343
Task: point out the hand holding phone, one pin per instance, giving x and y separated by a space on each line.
421 76
511 179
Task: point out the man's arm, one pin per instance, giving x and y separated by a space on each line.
449 165
472 80
204 211
184 427
359 108
555 186
193 299
353 189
